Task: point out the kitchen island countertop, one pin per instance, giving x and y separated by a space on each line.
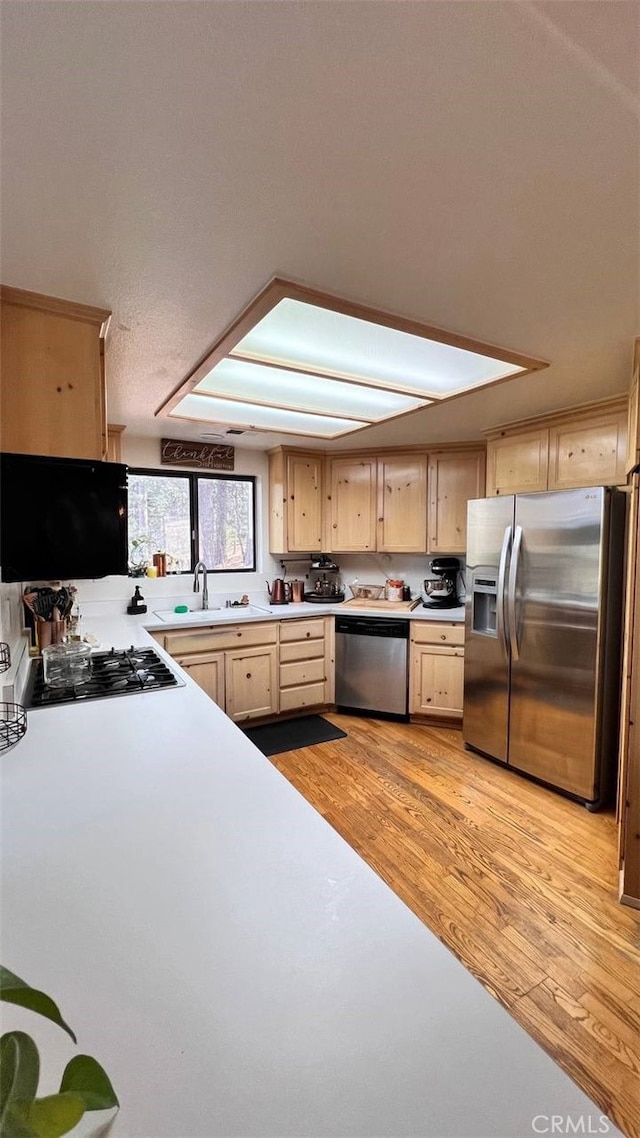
232 962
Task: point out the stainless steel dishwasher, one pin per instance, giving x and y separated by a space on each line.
372 665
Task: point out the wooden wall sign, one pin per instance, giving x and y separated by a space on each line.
204 456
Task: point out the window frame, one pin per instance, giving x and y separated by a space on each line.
193 477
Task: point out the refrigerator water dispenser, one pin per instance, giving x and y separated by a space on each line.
485 606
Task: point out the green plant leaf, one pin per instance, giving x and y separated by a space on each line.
19 1072
17 991
49 1117
14 1127
85 1077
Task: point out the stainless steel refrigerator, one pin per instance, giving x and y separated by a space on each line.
543 628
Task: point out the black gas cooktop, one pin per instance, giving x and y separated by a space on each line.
126 671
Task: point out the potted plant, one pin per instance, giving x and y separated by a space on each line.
84 1086
139 556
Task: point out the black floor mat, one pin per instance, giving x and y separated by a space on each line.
274 738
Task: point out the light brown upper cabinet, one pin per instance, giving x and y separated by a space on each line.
296 500
589 452
402 503
517 462
633 415
586 446
352 504
115 432
53 384
454 478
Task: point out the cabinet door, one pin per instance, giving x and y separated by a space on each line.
352 505
453 480
208 672
437 681
53 397
251 683
114 442
518 463
402 503
633 417
304 503
591 453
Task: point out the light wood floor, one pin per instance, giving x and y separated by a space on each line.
519 882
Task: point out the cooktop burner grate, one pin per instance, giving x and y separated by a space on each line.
126 671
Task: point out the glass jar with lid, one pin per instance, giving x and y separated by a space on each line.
66 665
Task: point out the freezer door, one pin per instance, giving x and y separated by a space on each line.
555 596
485 720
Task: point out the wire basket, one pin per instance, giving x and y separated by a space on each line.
5 657
13 724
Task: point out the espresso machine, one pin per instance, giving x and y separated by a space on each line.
326 587
441 590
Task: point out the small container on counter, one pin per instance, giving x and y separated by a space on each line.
50 632
395 590
66 665
136 604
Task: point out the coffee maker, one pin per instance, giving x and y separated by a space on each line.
326 586
441 590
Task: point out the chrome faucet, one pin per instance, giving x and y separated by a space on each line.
196 583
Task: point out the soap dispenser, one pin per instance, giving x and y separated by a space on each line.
137 604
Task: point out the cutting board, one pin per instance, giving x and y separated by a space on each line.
384 606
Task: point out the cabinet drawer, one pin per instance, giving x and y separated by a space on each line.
310 695
423 632
301 650
311 629
303 672
216 639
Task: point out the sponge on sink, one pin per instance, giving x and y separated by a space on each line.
181 608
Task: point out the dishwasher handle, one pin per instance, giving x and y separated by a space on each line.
373 626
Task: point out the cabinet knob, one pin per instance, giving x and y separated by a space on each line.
307 634
443 636
248 675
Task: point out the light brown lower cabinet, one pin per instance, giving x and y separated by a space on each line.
251 683
306 663
436 670
258 670
241 681
207 669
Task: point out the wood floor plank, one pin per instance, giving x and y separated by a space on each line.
519 882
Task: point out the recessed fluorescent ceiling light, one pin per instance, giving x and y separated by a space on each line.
304 336
301 362
299 391
206 408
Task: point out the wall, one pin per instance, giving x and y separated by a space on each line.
145 452
11 633
374 568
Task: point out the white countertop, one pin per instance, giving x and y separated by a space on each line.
306 609
238 970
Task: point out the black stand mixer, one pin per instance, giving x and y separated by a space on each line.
441 590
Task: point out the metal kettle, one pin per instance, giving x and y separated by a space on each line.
279 592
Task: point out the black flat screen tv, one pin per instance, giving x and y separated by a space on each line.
62 518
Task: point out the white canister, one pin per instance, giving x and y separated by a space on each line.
395 590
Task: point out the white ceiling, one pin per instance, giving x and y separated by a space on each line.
472 165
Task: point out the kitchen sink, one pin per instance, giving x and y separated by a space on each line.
210 615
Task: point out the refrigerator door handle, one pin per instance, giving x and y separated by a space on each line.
511 592
501 624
